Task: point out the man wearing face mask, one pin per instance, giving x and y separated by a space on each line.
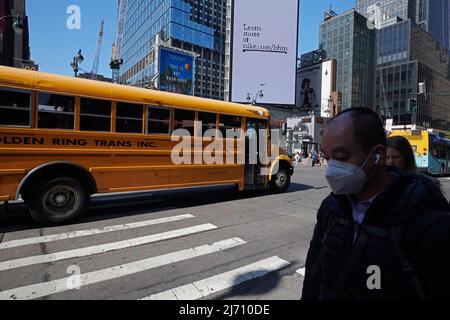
381 234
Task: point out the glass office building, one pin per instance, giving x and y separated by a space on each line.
347 39
197 26
14 42
407 56
405 9
431 15
412 48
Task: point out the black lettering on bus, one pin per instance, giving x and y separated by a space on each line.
143 144
4 140
71 142
19 140
57 142
119 143
147 144
110 143
39 141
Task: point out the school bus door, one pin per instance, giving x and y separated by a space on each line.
253 178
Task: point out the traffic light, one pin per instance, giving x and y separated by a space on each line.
412 105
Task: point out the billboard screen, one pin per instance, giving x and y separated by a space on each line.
176 72
315 86
264 51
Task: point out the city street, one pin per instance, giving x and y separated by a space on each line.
205 243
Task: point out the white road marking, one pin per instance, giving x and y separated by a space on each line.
301 271
206 287
83 233
88 251
57 286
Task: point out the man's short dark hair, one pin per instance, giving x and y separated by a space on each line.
368 127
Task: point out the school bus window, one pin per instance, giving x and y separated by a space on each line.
129 118
208 121
56 111
95 115
15 108
263 125
158 121
230 123
251 128
184 120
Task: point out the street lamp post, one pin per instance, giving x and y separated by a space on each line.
259 94
78 59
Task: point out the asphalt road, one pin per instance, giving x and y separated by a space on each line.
208 243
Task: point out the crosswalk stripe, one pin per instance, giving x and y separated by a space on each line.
206 287
83 233
88 251
301 271
57 286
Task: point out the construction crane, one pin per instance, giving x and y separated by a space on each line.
116 59
97 51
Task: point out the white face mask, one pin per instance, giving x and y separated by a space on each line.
346 178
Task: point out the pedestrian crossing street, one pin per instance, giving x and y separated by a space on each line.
201 288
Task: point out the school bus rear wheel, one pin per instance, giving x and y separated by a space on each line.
58 200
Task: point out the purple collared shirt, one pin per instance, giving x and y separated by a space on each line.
359 209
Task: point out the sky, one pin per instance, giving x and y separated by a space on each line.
53 44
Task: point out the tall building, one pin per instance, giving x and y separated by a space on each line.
196 26
407 56
14 34
432 15
412 49
347 38
405 9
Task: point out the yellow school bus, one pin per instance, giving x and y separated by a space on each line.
64 139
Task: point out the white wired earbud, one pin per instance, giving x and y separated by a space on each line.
378 158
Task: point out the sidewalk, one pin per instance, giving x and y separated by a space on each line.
308 163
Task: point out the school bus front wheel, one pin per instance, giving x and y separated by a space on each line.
58 200
281 181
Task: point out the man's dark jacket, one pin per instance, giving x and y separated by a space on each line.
414 206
